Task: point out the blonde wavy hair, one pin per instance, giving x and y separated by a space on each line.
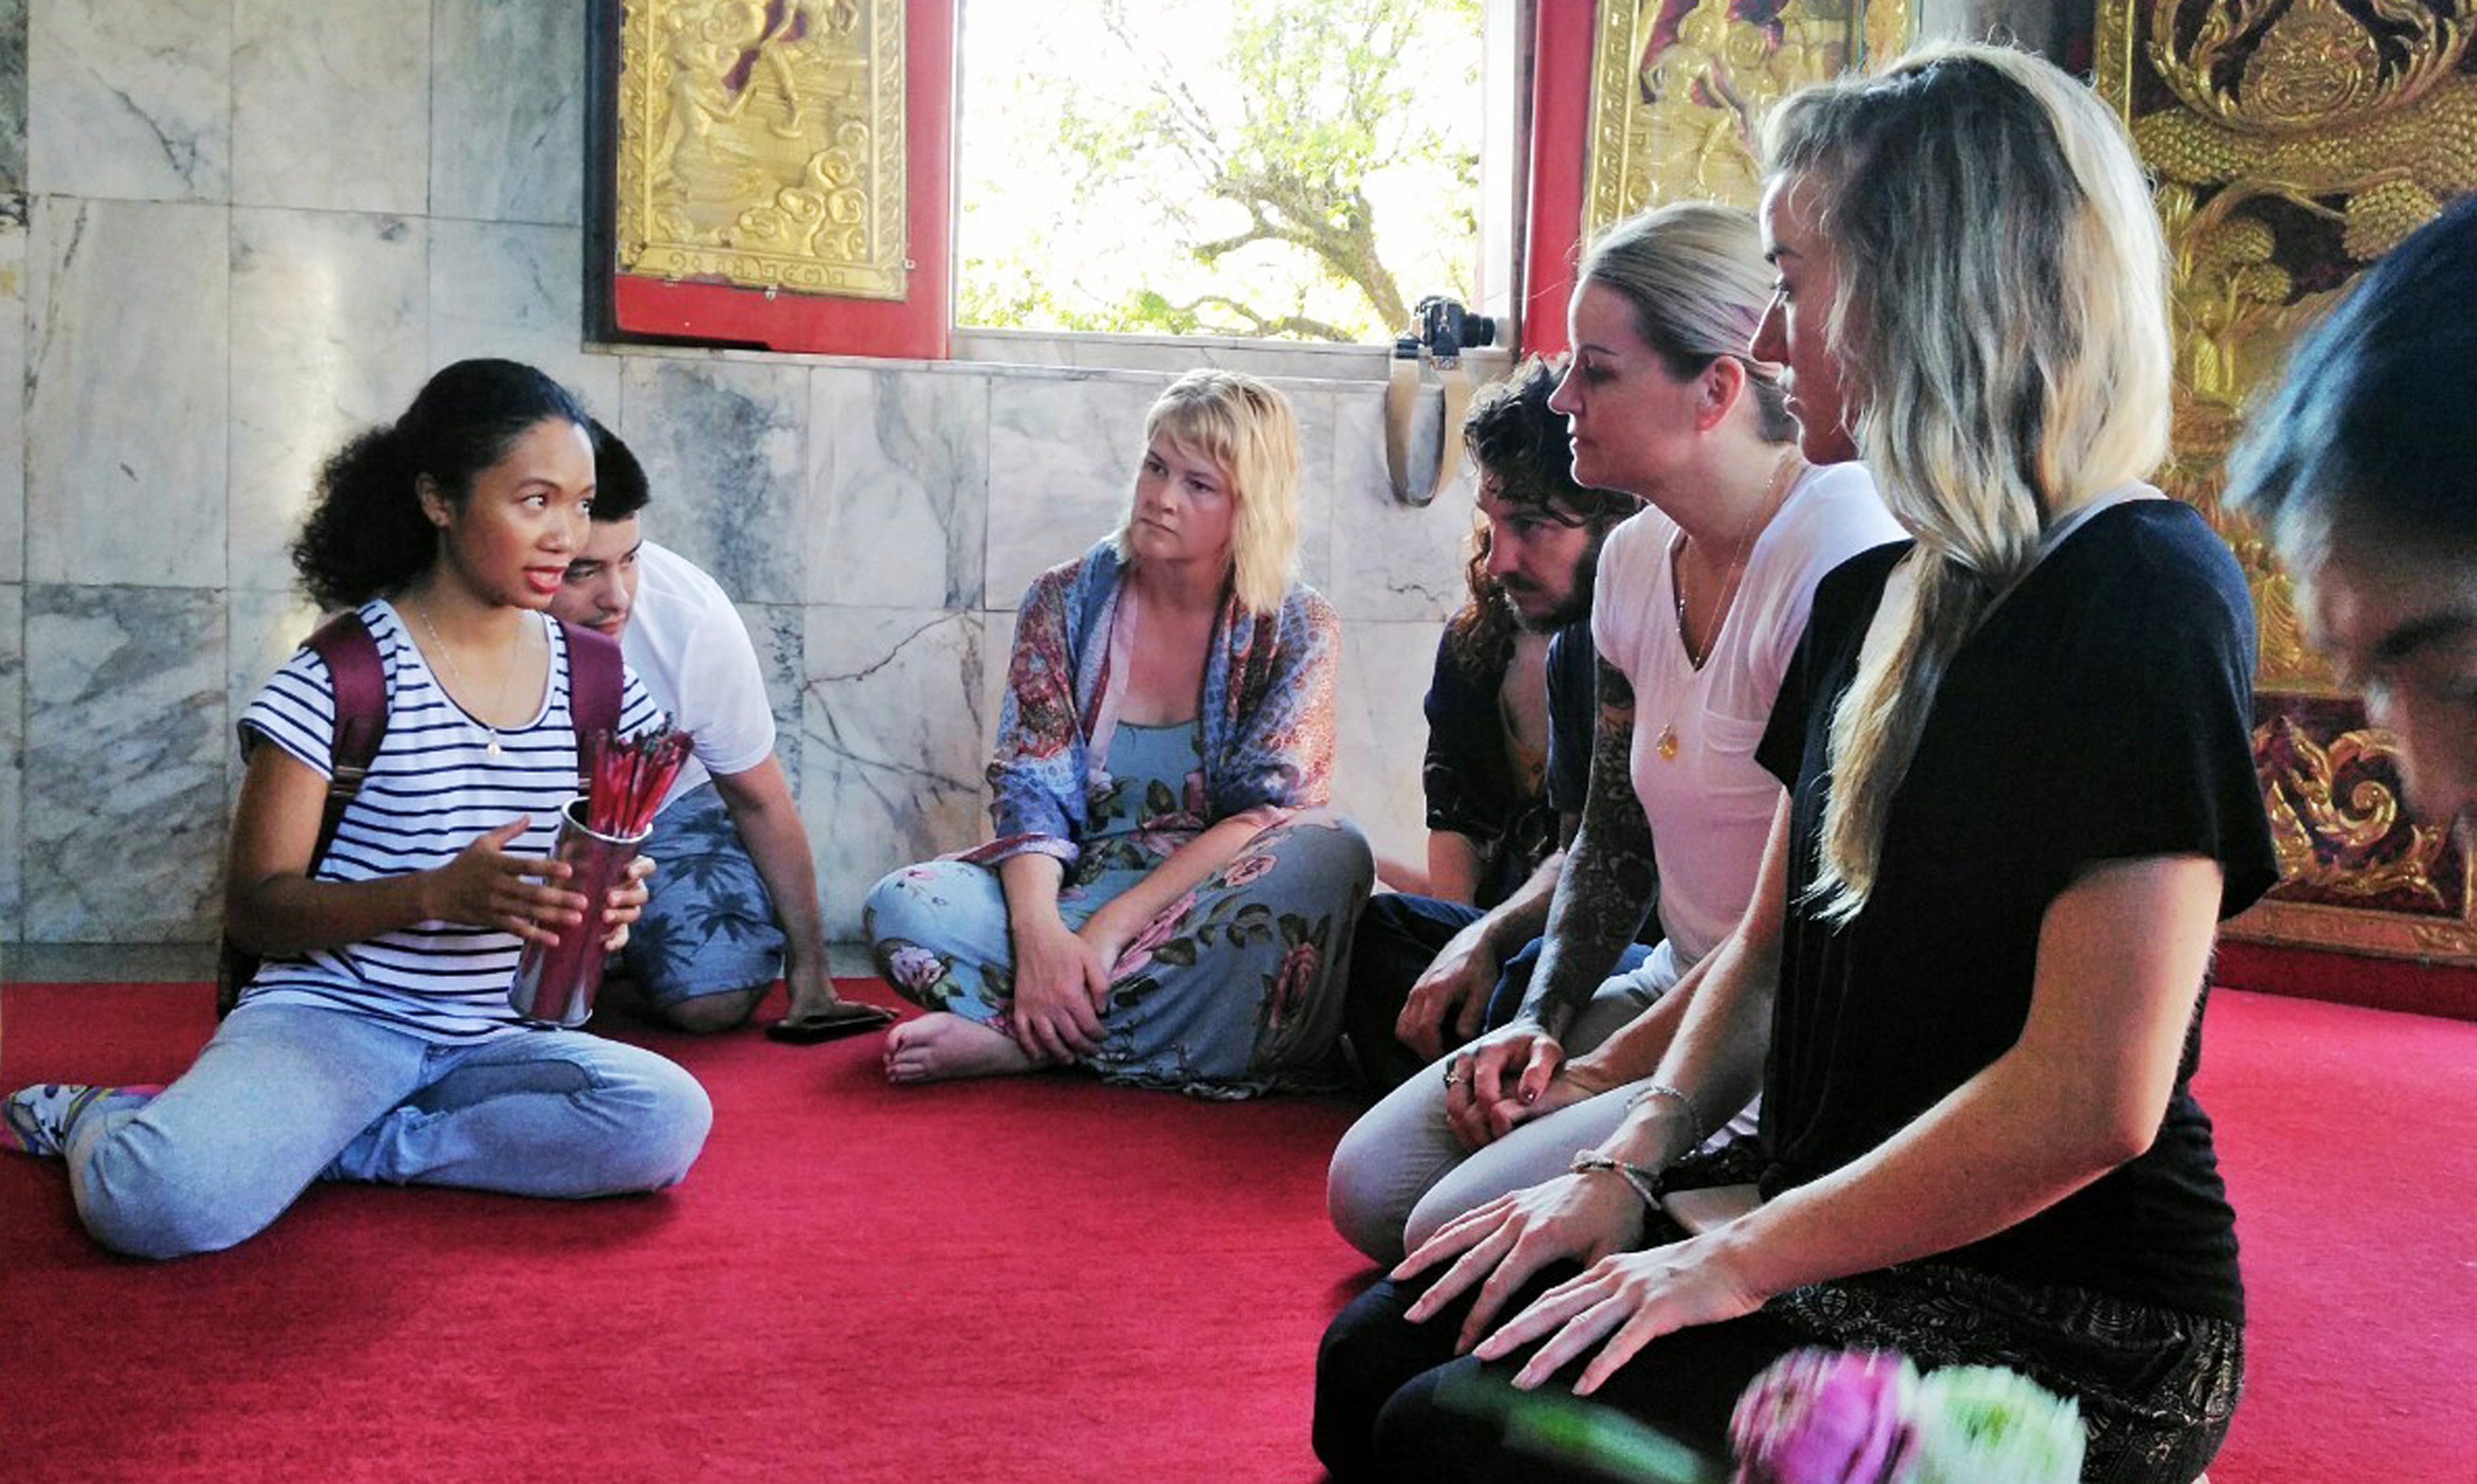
2002 316
1246 429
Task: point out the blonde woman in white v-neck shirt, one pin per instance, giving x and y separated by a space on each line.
1698 604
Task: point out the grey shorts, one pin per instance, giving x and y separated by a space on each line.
709 928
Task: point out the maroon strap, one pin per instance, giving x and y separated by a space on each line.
596 677
358 678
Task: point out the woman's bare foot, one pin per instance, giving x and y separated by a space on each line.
942 1045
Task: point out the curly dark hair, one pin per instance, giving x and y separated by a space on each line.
1511 432
366 533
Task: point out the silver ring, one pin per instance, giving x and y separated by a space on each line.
1453 1078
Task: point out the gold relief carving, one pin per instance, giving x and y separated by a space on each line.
762 142
2331 842
2355 875
2291 143
1678 86
2194 473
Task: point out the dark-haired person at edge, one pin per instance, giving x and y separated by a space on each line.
2021 796
734 903
2363 466
1698 604
1510 715
375 1042
1168 902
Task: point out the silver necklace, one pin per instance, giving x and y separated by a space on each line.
1665 745
489 749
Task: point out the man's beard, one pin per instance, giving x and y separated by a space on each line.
1578 601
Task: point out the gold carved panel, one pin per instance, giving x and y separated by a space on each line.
2292 143
762 144
1679 86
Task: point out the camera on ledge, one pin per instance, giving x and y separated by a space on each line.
1443 330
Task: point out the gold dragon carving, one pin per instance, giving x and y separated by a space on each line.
1673 118
2292 143
2309 814
761 143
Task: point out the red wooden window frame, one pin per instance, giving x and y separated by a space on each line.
1561 130
916 326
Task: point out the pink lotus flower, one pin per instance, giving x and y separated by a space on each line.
1246 868
1825 1417
1293 980
914 968
1166 923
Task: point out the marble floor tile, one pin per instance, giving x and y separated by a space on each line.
130 99
506 144
725 449
126 751
1383 732
331 105
898 487
1062 457
892 747
12 97
83 963
330 330
997 649
1318 412
518 292
780 633
12 756
12 393
128 416
1391 561
262 628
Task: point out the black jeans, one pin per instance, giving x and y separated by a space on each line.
1398 937
2156 1387
1392 1401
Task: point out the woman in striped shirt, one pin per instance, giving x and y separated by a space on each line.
376 1041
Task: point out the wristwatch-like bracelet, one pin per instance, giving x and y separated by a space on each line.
1645 1183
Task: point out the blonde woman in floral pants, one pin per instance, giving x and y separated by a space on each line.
1166 901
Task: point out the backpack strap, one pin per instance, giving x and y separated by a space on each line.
359 676
356 675
596 678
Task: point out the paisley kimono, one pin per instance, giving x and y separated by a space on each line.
1236 987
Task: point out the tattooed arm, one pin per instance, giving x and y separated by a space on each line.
1609 883
1608 887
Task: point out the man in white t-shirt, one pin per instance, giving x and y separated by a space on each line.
734 893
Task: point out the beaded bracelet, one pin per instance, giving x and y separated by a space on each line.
1644 1183
1696 1125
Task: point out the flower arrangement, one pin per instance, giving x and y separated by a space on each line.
1825 1417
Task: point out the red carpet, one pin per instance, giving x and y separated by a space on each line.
1031 1281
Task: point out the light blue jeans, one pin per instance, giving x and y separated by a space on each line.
285 1095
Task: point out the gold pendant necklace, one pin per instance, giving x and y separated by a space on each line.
491 748
1665 745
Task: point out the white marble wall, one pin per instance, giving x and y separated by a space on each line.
233 230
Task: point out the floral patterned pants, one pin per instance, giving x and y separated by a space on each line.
1231 991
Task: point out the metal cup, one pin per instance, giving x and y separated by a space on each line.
557 982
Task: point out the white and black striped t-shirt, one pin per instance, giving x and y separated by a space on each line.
431 790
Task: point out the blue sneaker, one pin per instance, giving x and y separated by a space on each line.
36 1119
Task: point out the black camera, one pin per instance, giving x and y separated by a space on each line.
1445 330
